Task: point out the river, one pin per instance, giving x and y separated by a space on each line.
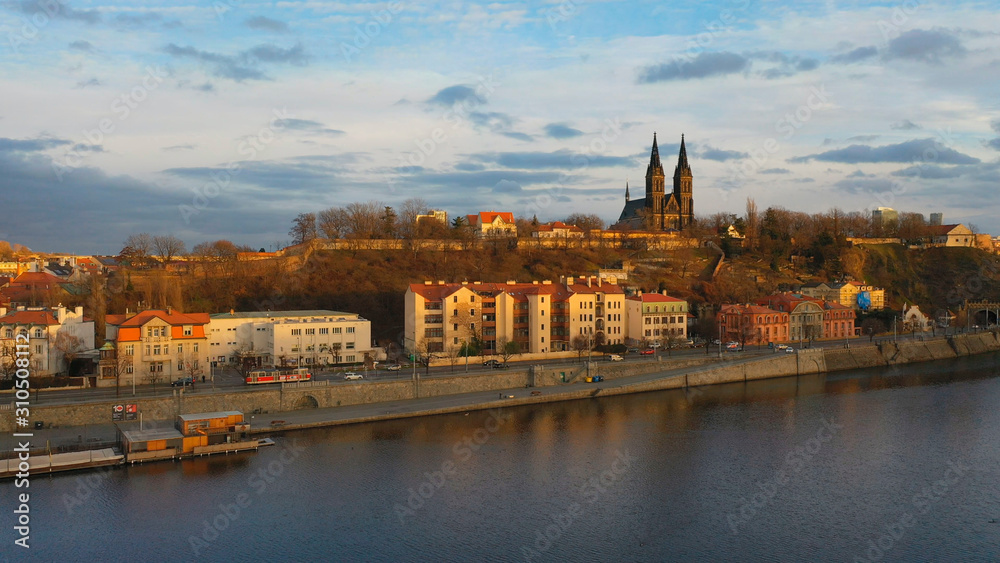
876 465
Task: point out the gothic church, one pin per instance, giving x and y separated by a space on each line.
659 211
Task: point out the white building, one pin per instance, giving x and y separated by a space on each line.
290 338
53 333
653 317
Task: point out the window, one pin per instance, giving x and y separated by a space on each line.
196 346
148 350
543 300
472 299
38 348
156 350
324 331
455 299
38 333
296 332
311 331
456 326
180 348
350 345
130 350
348 358
194 364
456 340
336 330
9 333
128 368
543 312
189 330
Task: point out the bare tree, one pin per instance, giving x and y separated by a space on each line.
507 348
407 217
68 347
136 250
167 247
580 343
364 219
333 223
587 222
303 228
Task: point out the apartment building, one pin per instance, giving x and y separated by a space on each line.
752 324
163 345
653 317
54 334
541 317
289 338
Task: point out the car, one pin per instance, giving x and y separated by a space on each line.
633 350
781 347
689 343
499 365
352 376
183 382
392 367
716 342
647 352
491 363
614 358
789 350
733 346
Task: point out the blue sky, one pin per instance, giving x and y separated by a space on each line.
212 120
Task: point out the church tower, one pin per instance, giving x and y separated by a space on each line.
655 188
682 187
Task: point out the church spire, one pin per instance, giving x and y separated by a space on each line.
626 190
654 160
682 160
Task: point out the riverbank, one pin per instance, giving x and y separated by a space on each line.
307 406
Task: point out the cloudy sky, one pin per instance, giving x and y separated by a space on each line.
225 119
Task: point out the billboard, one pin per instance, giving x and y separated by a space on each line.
864 300
118 412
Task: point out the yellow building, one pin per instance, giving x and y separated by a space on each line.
541 317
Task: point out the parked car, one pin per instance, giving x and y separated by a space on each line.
782 347
491 363
183 382
352 376
392 367
789 350
633 350
614 358
690 343
716 342
647 352
499 365
733 346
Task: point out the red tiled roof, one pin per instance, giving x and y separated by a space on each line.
29 318
487 217
174 318
940 230
559 225
655 298
747 309
36 278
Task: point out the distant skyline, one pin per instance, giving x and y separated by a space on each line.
224 120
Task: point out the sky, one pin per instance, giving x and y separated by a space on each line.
225 119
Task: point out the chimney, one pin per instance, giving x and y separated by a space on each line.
588 281
465 283
534 282
511 282
168 309
428 282
663 292
78 311
440 282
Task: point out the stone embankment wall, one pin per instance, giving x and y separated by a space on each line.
291 397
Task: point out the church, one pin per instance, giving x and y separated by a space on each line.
659 211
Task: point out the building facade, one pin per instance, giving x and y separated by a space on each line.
856 295
660 211
806 314
557 229
541 317
289 338
951 235
492 224
838 320
653 317
158 346
54 335
752 324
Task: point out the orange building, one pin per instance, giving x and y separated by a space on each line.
752 324
162 344
838 320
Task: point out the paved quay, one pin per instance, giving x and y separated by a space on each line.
101 434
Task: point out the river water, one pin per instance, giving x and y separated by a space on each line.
875 465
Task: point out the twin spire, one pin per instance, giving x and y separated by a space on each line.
655 168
